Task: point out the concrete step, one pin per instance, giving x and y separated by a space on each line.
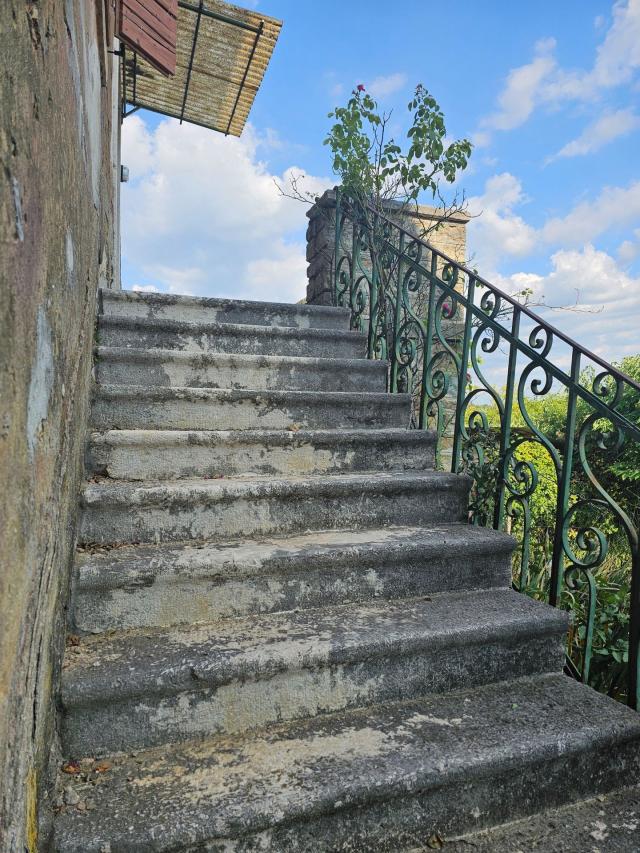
608 822
143 688
162 585
175 454
263 506
140 407
166 306
373 780
239 338
173 369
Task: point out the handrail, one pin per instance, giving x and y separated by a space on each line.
557 372
436 321
514 302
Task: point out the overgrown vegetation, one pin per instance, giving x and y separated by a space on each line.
606 555
373 168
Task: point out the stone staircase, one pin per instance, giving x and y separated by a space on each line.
285 637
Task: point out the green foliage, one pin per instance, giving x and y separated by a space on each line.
610 634
627 468
617 469
372 167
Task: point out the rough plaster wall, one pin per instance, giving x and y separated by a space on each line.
56 237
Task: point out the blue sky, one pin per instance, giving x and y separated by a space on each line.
548 92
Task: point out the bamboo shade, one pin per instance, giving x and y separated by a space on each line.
222 54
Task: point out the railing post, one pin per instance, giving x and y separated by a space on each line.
462 378
393 384
428 350
505 432
337 241
564 486
355 254
373 293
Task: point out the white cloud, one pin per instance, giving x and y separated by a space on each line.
205 216
619 55
629 250
521 92
288 267
608 299
498 230
382 87
605 129
144 288
602 288
136 147
543 82
614 207
481 138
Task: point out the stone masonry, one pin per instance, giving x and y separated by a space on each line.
449 237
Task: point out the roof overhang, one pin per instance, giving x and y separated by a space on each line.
222 54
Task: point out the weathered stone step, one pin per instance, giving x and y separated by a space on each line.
263 506
371 780
175 454
612 819
139 689
139 407
163 585
166 306
143 333
173 369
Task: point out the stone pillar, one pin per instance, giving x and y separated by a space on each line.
450 237
320 249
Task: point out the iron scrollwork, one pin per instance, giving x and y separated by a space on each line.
442 330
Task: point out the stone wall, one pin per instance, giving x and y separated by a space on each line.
449 237
56 245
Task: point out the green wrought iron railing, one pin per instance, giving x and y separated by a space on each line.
549 432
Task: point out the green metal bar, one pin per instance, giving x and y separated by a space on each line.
392 240
393 382
428 351
337 242
355 252
462 377
505 432
564 486
373 291
526 311
535 357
